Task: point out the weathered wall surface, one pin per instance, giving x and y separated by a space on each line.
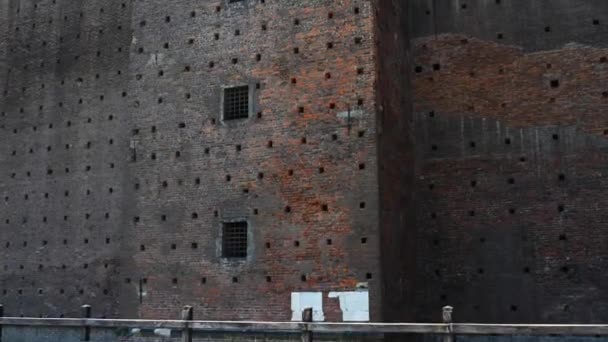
117 170
64 152
511 105
395 159
301 170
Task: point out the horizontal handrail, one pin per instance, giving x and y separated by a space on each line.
319 327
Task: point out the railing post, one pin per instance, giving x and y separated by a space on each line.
447 319
187 315
306 318
86 313
1 315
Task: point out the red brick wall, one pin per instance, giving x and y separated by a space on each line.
141 79
297 151
510 163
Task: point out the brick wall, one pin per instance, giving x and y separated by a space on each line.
395 159
510 120
65 134
117 170
298 170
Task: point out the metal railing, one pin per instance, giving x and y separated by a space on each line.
306 329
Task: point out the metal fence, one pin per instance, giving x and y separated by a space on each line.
13 329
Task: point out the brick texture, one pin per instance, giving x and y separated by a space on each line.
118 171
510 123
439 152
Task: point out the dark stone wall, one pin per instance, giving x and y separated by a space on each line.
532 25
395 159
510 130
117 170
64 155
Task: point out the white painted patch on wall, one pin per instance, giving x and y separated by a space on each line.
162 332
354 305
354 114
303 300
155 59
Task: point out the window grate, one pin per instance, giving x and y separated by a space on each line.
234 239
236 103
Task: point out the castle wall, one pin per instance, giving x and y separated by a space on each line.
510 130
118 170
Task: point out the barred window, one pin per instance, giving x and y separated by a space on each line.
234 239
236 103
